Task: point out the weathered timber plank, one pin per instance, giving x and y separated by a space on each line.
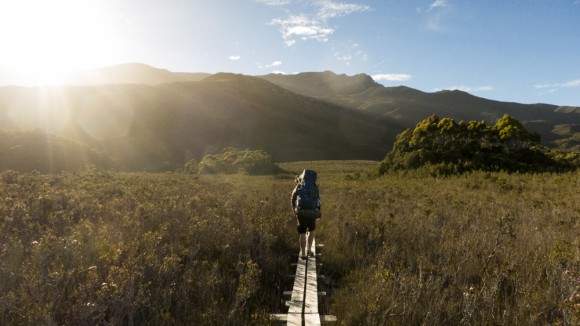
303 304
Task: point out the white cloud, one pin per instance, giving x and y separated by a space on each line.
274 2
348 52
540 86
361 55
346 57
391 77
555 87
468 89
302 27
572 83
311 23
437 15
438 4
274 64
235 57
329 9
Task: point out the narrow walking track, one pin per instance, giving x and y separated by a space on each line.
303 303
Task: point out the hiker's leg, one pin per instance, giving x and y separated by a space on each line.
310 239
302 244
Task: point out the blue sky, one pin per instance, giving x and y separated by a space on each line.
513 50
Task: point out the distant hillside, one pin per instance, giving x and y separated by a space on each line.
34 150
406 106
161 127
129 73
132 73
148 118
325 84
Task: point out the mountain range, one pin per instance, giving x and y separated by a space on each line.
155 119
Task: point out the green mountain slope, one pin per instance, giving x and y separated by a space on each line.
154 119
161 127
407 106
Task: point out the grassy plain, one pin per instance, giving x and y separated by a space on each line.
406 248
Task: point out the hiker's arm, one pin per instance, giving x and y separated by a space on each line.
293 200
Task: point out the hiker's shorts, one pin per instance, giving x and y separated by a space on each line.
305 223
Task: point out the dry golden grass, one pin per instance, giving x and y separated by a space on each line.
115 248
473 249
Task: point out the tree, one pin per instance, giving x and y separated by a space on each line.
232 160
512 133
191 166
454 147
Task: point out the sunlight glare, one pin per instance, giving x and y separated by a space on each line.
46 40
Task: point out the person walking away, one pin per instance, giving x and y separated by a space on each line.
306 208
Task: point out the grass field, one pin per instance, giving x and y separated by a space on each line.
130 249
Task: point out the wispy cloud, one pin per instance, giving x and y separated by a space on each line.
468 89
550 88
329 9
302 27
346 53
274 64
437 15
310 21
274 2
235 57
392 77
573 83
438 4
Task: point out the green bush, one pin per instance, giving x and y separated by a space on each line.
191 166
231 160
451 147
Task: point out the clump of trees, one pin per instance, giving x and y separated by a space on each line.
232 160
450 147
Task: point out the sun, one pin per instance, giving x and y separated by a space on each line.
44 41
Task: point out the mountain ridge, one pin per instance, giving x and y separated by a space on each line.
155 127
308 116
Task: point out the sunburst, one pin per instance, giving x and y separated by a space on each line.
46 40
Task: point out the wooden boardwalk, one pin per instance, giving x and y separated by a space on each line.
303 303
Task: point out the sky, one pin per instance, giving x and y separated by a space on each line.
525 51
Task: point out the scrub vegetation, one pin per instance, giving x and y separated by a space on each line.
129 249
477 249
404 248
448 147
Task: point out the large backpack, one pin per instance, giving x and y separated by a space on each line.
307 197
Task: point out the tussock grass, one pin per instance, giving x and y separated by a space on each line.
102 248
115 248
477 249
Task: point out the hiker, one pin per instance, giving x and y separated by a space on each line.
306 208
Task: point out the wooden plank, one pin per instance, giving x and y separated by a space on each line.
284 318
296 300
303 304
311 299
298 289
312 319
328 318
